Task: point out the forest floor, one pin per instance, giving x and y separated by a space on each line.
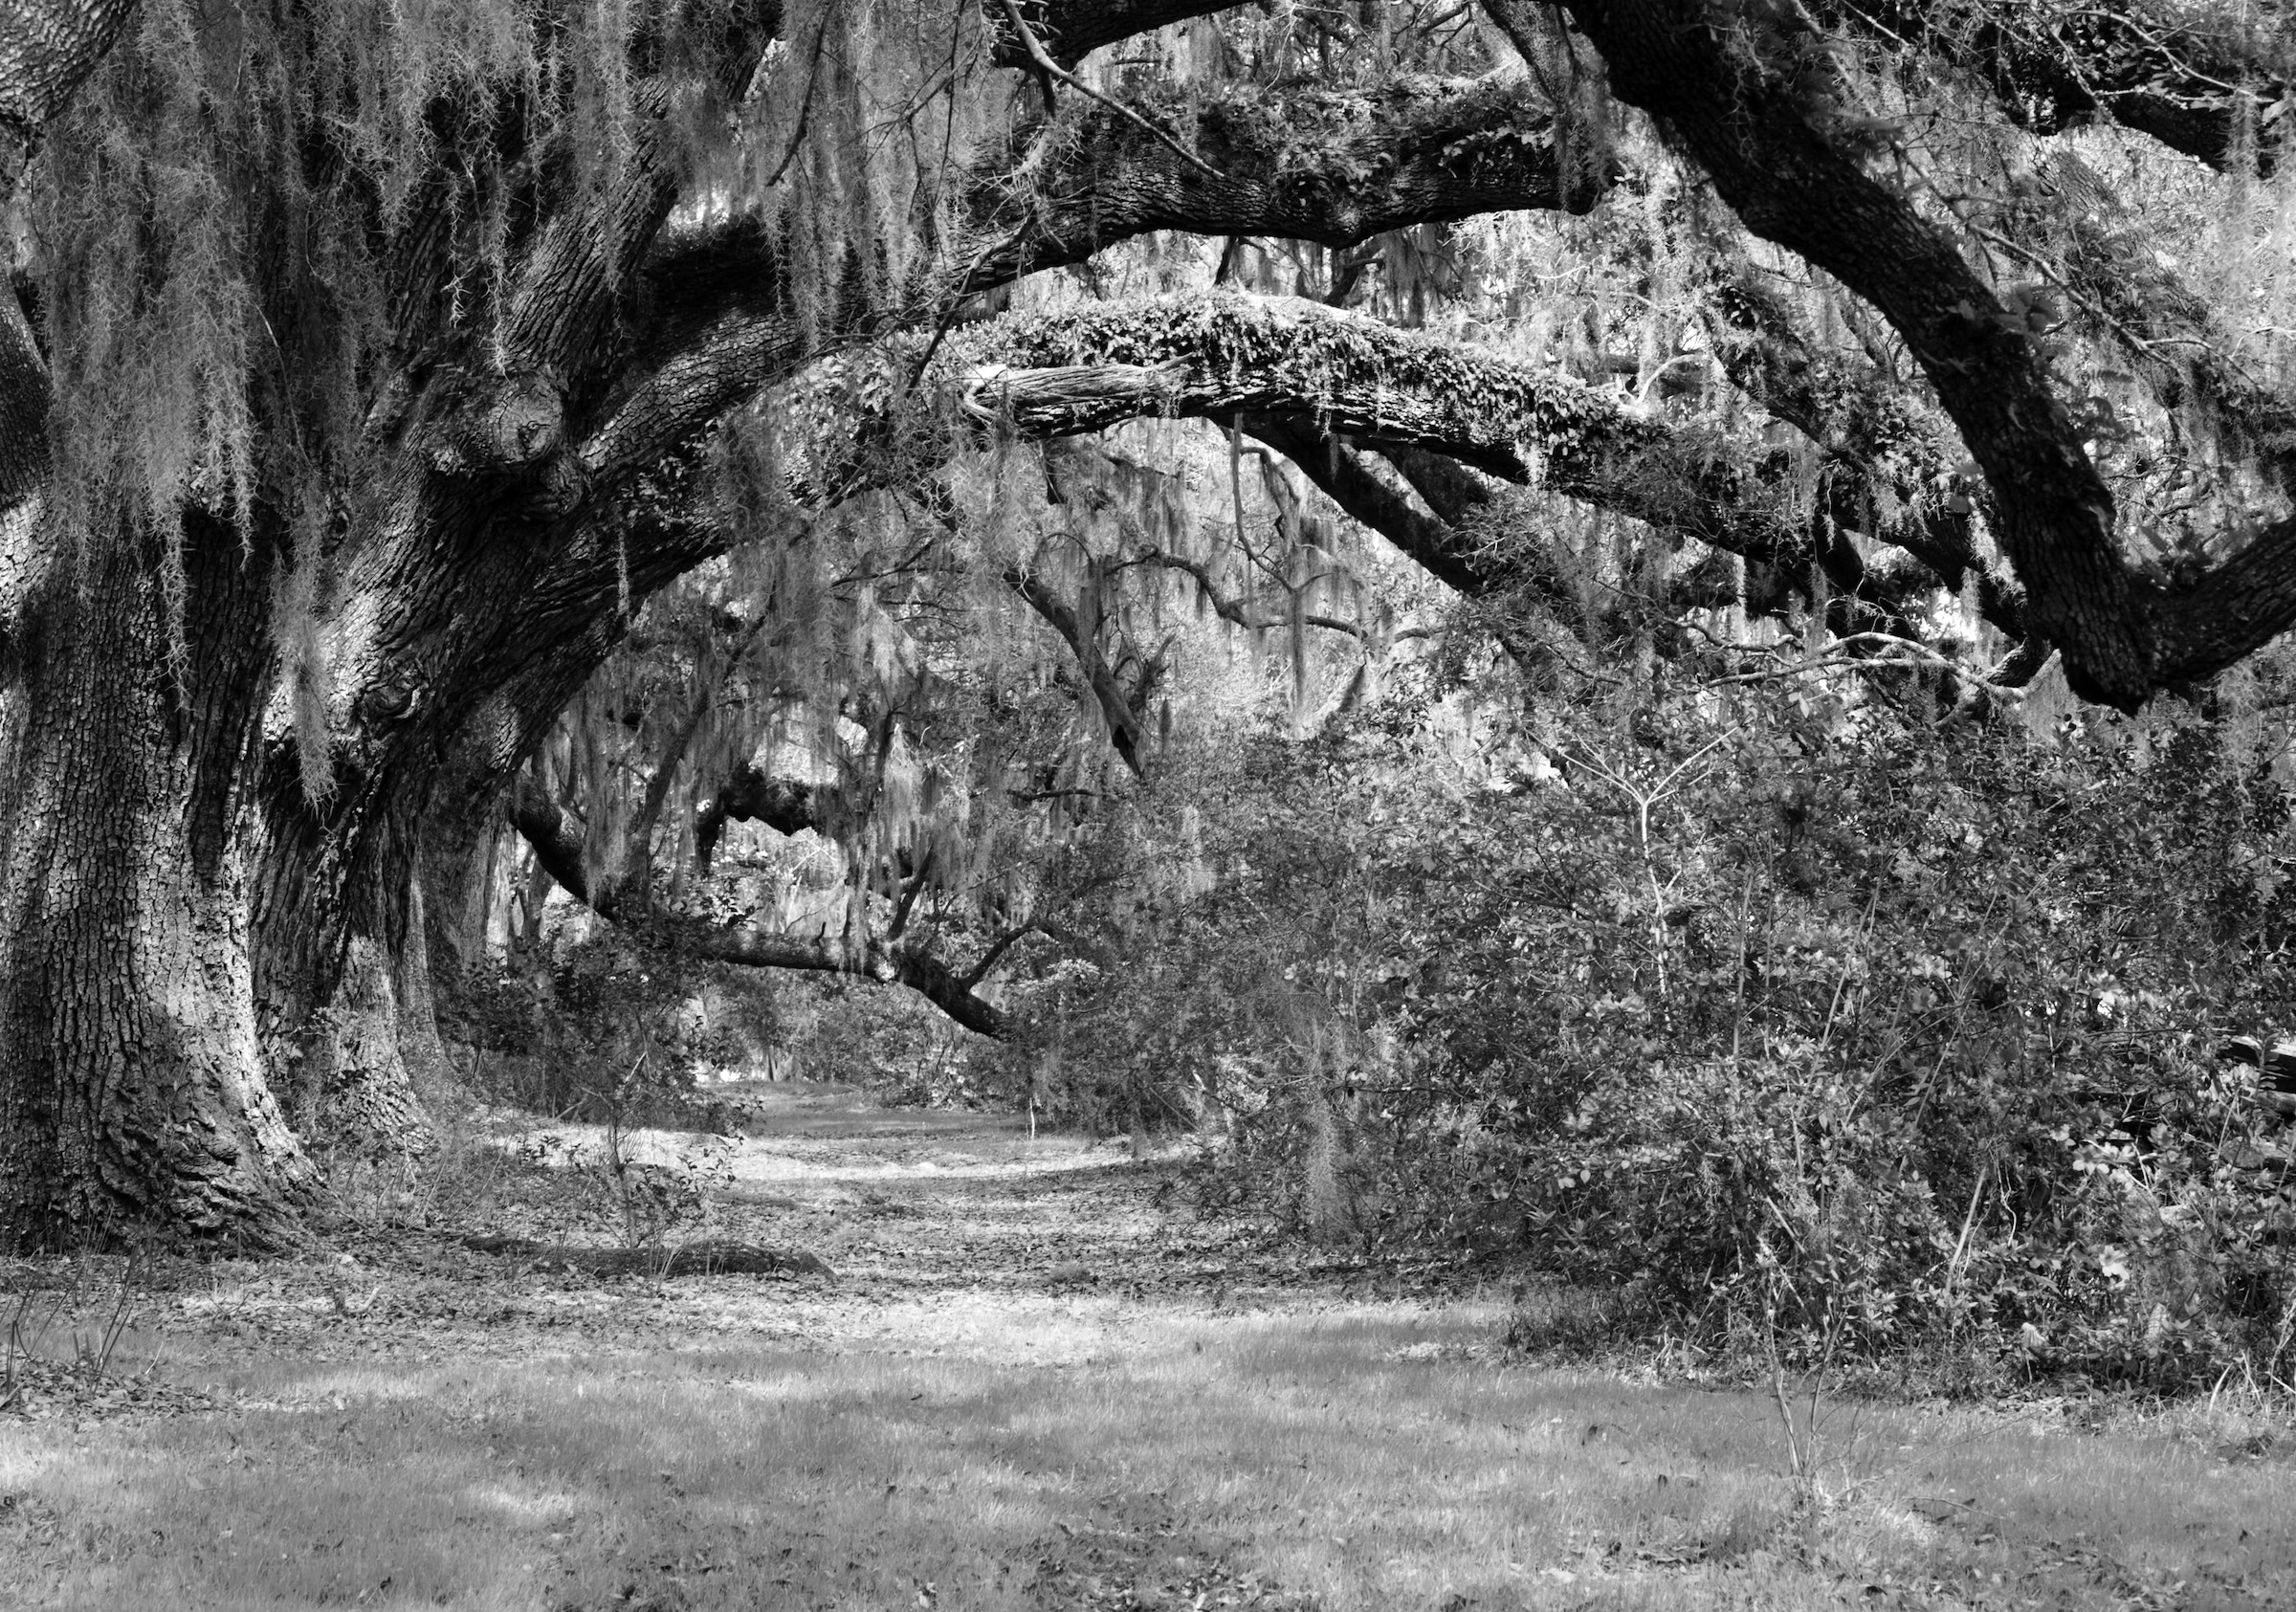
1035 1379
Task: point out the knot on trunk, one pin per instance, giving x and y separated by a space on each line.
388 701
515 423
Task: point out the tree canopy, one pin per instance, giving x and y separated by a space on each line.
368 370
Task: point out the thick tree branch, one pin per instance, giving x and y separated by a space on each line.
1127 729
2198 79
559 842
1748 121
1296 163
919 970
1455 493
555 837
1791 185
787 807
1072 29
1302 377
1433 542
1334 166
1221 355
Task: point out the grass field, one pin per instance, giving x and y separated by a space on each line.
946 1424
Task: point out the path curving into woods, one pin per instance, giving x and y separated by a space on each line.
1036 1377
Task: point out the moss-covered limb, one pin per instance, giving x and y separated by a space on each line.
2195 78
1298 162
1329 389
1218 354
1302 377
1306 373
557 838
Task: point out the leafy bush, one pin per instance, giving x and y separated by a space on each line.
1803 1023
595 1029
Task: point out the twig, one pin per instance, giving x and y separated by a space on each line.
1953 1269
1048 68
1911 656
804 106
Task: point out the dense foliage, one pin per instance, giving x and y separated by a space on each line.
1787 1018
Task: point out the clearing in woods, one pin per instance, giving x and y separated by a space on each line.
1037 1379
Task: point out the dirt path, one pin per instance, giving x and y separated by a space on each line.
1036 1380
948 1232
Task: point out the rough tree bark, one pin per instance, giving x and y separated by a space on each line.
47 50
191 938
131 1088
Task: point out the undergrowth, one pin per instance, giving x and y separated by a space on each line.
1804 1029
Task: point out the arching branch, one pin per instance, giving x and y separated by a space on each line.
1072 29
555 837
783 805
1326 387
1334 166
2122 636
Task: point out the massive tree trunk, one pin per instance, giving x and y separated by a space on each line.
131 1085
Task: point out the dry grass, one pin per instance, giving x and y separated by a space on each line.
1359 1456
956 1422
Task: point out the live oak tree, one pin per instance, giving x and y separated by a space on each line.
368 367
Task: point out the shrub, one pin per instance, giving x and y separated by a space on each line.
1789 1016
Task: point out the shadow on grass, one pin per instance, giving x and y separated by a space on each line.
1352 1459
